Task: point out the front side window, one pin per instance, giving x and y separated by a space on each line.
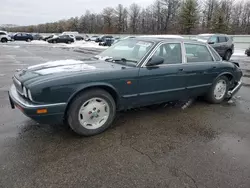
213 39
170 52
129 49
197 53
2 33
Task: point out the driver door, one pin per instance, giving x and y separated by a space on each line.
165 82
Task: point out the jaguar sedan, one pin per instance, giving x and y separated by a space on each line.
134 72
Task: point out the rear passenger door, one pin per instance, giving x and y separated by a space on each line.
223 45
200 68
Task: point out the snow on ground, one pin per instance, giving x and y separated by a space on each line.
239 52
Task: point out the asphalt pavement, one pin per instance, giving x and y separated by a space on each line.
203 146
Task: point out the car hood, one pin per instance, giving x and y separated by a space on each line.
63 68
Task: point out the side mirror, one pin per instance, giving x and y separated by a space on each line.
155 60
210 42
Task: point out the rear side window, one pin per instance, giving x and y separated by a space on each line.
197 53
222 39
2 33
215 54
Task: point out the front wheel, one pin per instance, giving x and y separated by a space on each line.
218 91
4 40
91 112
28 40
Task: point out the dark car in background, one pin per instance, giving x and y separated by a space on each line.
37 37
107 42
102 38
247 52
62 39
222 43
78 37
134 72
23 37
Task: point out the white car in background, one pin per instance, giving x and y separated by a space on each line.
4 37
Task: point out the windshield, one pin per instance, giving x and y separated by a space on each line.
203 37
129 49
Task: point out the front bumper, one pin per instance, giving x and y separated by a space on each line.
54 114
235 89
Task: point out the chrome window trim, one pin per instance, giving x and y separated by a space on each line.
206 45
156 47
213 55
139 63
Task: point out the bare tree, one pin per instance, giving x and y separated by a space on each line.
134 17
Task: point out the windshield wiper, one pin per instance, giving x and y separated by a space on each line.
123 60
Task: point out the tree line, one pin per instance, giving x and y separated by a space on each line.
161 17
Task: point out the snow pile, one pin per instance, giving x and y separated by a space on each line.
80 44
38 42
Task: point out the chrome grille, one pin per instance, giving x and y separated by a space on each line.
18 85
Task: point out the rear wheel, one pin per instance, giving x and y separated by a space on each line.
227 55
91 112
218 91
3 40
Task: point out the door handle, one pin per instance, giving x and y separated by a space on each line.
214 67
181 69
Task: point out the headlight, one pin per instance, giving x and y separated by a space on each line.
29 95
25 92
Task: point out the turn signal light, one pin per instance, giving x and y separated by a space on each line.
42 111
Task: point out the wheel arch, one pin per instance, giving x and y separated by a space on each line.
106 87
229 75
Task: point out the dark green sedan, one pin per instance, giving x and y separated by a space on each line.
134 72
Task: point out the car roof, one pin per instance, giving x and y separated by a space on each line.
211 34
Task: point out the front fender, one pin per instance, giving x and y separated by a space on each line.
83 87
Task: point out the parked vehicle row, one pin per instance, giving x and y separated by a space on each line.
87 94
222 43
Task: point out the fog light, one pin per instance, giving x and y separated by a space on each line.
42 111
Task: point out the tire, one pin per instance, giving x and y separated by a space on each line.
214 98
227 55
4 40
248 54
69 42
28 40
54 41
87 104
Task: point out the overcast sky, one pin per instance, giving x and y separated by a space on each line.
27 12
